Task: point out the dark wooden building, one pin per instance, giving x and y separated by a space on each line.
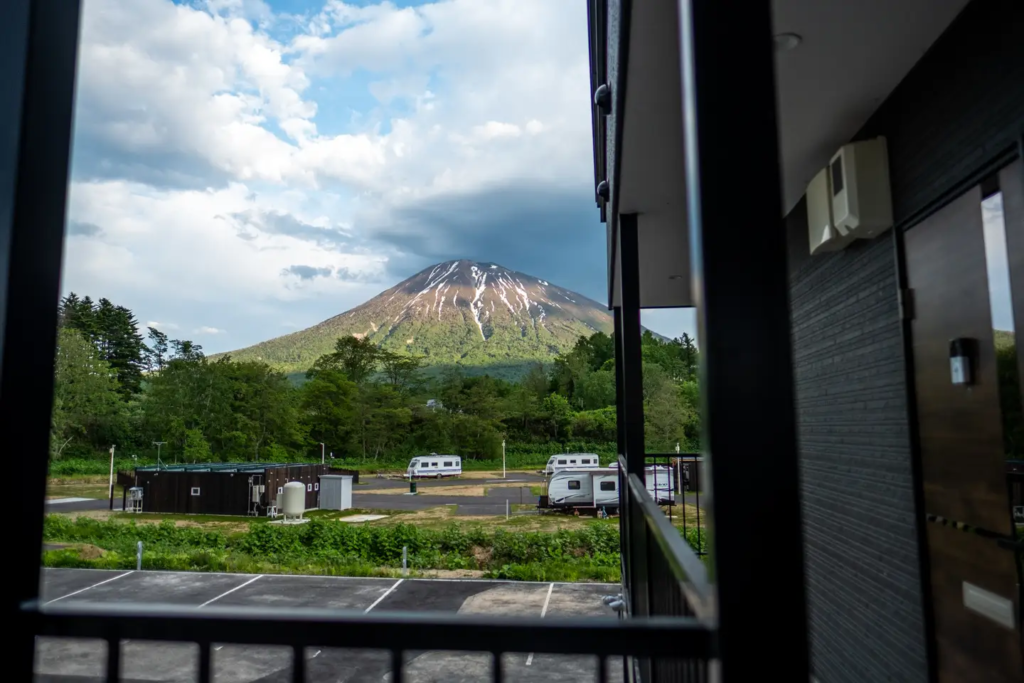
224 488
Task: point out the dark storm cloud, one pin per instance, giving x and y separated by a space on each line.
555 235
84 229
97 158
307 272
250 223
351 276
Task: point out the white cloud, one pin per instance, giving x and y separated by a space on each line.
207 330
163 327
196 124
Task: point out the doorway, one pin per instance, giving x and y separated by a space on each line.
965 270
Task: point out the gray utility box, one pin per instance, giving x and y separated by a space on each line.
335 491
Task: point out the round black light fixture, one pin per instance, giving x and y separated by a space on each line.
603 190
603 98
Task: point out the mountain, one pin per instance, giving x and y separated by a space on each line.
481 316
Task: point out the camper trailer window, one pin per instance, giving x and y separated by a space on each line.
447 464
585 461
607 485
562 462
195 490
574 484
572 462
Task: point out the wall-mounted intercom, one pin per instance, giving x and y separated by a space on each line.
961 358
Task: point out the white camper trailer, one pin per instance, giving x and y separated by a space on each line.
572 461
600 488
434 465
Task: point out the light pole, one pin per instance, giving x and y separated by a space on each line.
503 458
158 444
321 454
112 477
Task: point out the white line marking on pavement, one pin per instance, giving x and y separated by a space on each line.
82 590
386 594
230 591
218 648
58 501
316 653
543 611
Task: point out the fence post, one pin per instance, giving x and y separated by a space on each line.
405 560
138 557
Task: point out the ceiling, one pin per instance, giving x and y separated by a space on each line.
851 57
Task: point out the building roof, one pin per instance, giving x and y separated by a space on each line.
222 467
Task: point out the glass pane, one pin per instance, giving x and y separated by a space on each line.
1001 304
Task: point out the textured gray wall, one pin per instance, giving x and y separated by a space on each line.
864 592
959 109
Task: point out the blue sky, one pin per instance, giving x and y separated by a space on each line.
243 168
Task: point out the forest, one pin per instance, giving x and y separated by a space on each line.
114 386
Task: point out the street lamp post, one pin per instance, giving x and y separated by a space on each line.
503 458
321 454
112 477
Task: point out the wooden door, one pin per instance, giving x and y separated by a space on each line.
963 461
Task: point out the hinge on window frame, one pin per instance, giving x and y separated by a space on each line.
906 301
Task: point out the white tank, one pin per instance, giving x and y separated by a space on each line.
293 502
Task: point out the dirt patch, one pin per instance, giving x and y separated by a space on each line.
482 555
90 552
432 491
488 474
452 573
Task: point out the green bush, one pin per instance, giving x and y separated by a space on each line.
327 547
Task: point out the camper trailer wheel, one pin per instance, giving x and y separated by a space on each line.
438 475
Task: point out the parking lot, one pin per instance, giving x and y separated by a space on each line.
82 661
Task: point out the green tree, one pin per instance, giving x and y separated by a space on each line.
85 393
196 448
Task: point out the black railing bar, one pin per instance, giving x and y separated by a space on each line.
397 666
205 665
654 636
602 669
113 660
298 664
681 558
497 672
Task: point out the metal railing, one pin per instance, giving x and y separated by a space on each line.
652 638
682 487
664 578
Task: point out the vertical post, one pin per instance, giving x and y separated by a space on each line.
138 557
405 560
503 458
742 297
631 369
110 484
631 399
321 454
620 436
38 46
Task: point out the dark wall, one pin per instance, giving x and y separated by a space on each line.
220 493
952 119
959 112
864 589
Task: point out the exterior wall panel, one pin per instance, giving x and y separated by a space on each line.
864 591
954 117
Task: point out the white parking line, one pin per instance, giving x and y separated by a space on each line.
543 611
386 594
230 591
82 590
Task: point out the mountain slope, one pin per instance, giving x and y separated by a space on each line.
477 315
